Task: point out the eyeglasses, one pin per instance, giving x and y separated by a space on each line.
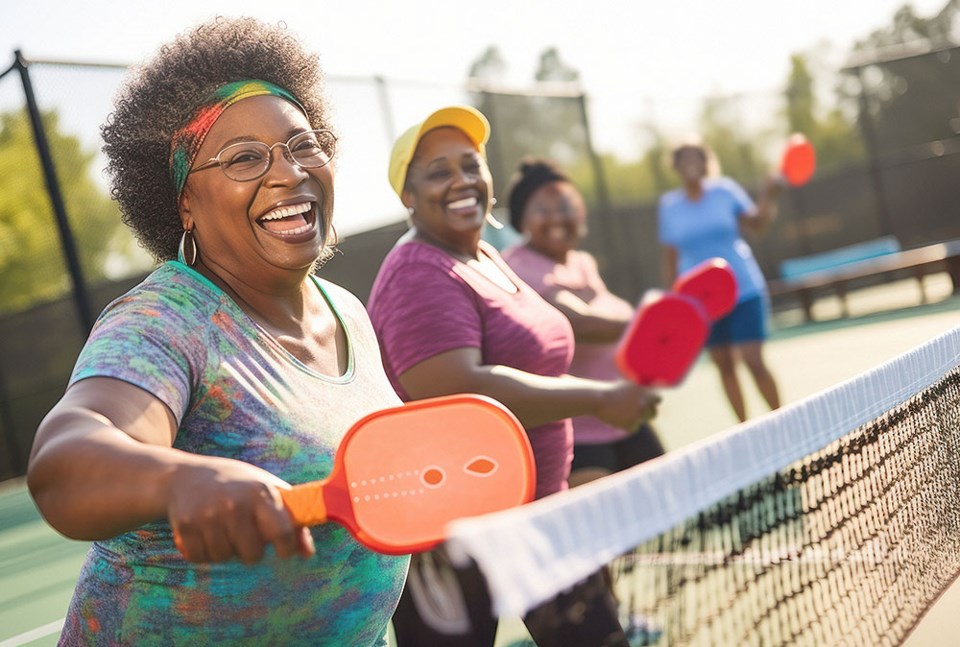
246 161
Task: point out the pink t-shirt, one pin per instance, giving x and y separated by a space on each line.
425 302
580 276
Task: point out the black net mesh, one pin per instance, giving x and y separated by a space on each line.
848 546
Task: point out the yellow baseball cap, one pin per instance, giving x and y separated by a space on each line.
465 118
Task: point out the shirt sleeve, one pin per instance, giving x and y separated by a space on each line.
133 341
425 310
743 203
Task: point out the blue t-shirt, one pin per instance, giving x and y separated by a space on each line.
710 228
235 392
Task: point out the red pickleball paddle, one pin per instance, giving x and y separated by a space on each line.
669 329
799 160
401 474
663 339
712 284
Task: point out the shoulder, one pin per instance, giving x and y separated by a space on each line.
414 255
520 255
671 198
410 273
723 183
171 292
582 258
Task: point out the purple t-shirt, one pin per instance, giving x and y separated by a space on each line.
425 302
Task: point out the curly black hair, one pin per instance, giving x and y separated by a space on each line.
163 94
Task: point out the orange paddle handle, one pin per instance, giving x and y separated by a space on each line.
305 503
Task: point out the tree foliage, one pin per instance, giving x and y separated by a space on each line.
31 255
529 123
910 92
828 113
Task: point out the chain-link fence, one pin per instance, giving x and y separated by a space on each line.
64 253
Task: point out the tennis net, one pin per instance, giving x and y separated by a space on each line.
834 520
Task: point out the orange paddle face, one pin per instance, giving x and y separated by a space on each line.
402 474
712 284
799 160
663 340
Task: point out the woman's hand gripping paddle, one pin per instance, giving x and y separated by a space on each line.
401 474
669 329
799 161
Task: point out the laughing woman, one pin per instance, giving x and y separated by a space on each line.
229 372
452 317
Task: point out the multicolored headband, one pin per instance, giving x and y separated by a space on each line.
187 141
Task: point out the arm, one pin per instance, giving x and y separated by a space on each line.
758 221
590 322
102 463
534 399
588 325
668 265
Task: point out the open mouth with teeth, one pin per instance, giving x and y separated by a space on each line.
464 203
290 220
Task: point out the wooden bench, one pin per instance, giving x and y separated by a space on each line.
825 277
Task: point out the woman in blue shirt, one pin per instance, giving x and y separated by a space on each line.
703 219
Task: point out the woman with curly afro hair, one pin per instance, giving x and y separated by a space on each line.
231 371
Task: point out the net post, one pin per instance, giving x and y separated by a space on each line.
72 258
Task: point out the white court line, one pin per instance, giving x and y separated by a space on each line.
33 634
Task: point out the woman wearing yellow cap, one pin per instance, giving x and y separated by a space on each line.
452 317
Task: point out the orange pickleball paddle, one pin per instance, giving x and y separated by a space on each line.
402 474
799 160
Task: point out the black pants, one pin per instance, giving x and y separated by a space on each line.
640 446
446 607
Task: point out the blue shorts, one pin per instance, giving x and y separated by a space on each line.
747 322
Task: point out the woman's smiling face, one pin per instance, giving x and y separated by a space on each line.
448 185
279 220
554 219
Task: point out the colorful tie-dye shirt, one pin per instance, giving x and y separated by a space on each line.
236 392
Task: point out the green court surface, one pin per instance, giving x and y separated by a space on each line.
38 567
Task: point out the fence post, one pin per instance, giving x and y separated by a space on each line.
870 140
622 268
53 190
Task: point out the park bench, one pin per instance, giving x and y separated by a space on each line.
831 271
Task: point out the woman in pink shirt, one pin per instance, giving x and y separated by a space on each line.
549 211
452 318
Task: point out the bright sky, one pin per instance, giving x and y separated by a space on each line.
638 60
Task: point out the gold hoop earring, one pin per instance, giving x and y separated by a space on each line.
187 259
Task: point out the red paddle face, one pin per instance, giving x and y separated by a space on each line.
799 160
402 474
712 284
663 340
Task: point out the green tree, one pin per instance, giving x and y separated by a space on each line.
736 145
907 28
546 122
910 97
31 256
489 67
832 131
553 68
